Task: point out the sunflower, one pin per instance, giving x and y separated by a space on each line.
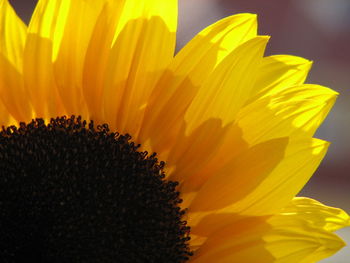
90 89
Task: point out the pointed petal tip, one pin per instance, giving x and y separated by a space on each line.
319 146
328 91
250 16
263 39
335 93
306 64
292 60
246 16
259 41
243 18
335 244
330 95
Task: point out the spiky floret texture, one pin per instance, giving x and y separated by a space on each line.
73 193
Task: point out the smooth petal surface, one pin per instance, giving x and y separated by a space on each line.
143 47
69 59
238 178
228 87
43 41
294 235
13 35
189 69
12 40
300 159
204 141
96 62
279 72
296 111
220 38
214 106
317 214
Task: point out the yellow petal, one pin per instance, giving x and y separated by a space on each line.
301 159
12 93
297 111
44 37
273 191
80 20
279 72
13 35
178 86
238 178
314 214
283 238
187 158
143 47
300 237
205 51
96 62
12 39
229 86
215 42
208 113
294 111
317 214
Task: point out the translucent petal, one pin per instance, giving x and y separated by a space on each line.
179 85
288 174
69 58
96 62
43 41
229 86
12 40
13 35
279 72
143 48
318 214
296 111
302 157
284 238
238 178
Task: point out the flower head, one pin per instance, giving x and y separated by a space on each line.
234 128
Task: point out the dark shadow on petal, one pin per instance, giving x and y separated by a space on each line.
241 241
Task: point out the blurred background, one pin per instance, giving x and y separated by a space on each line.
318 30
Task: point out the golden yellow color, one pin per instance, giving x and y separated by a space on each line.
234 127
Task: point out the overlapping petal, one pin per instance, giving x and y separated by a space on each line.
279 72
69 55
228 87
284 177
12 41
294 235
189 69
234 127
143 46
216 101
294 111
42 44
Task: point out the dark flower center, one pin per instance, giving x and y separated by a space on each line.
71 192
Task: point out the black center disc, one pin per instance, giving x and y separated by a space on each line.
73 193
